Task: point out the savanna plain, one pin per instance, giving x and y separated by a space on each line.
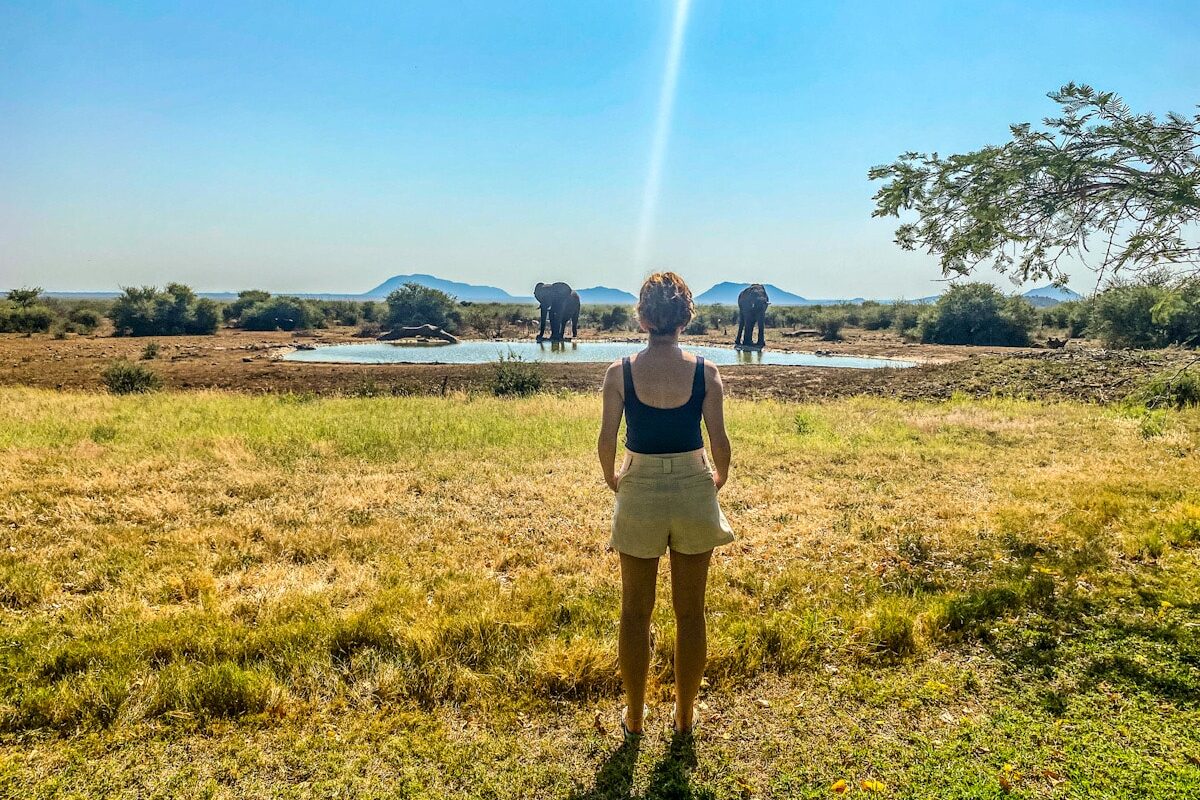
213 594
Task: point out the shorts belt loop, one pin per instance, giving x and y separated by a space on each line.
668 464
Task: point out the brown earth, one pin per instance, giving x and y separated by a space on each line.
248 361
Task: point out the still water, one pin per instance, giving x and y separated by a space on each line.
476 352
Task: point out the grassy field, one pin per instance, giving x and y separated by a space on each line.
219 595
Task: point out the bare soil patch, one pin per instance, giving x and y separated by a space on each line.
248 361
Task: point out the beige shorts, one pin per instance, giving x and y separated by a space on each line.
667 500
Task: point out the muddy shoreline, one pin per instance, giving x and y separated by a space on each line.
250 362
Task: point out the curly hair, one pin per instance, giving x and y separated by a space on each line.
665 303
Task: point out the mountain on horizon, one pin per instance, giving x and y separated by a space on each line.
463 291
604 295
727 292
1059 294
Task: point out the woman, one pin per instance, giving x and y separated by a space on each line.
666 492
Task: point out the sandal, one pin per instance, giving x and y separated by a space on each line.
695 721
632 736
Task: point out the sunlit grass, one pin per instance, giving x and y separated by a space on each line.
174 560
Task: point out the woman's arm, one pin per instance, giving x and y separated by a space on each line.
614 405
714 421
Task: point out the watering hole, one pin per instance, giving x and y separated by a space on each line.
478 352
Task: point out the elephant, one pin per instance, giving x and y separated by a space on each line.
752 310
560 303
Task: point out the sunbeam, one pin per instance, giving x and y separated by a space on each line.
662 132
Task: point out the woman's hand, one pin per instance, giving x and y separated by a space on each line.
718 480
613 481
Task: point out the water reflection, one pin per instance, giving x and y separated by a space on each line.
749 356
474 351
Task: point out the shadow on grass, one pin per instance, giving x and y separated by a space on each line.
670 777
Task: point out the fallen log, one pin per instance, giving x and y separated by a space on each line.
418 332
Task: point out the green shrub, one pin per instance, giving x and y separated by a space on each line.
27 319
281 313
232 312
1124 316
176 310
150 351
696 327
830 325
875 316
514 375
905 318
125 377
84 320
616 317
414 304
979 314
1176 389
1157 311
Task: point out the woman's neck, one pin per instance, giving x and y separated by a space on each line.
663 341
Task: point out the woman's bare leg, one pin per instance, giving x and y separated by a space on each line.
689 577
638 576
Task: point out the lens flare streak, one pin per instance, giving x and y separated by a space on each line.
662 132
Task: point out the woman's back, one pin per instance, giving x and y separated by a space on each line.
663 379
672 424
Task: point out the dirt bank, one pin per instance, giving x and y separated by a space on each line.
244 361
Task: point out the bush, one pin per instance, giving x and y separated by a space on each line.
29 319
24 297
905 318
125 377
1155 312
515 376
233 311
977 313
875 316
84 320
830 325
697 327
1178 389
487 321
150 351
616 317
281 314
176 310
414 304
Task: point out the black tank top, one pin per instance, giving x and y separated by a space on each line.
663 430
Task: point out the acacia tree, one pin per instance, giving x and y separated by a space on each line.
1102 185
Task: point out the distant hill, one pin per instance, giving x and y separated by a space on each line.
463 291
1055 294
727 293
603 294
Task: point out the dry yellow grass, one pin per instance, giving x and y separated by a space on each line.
209 568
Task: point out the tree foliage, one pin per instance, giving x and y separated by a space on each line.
977 313
1156 312
146 311
1100 182
281 313
414 304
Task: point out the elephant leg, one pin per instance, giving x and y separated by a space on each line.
737 339
542 326
762 319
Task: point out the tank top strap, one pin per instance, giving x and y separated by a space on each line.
627 372
698 387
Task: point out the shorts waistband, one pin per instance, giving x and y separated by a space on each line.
667 462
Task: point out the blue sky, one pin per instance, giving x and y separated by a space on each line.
324 147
